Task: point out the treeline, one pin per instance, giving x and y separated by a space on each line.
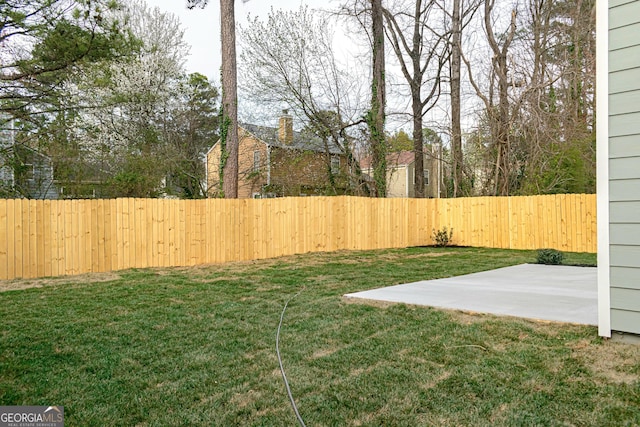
507 88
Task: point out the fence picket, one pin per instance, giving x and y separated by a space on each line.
4 241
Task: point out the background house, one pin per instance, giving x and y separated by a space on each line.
618 68
25 172
278 161
401 173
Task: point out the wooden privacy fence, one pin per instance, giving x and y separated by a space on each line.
40 238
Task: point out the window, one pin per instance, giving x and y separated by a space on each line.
335 164
29 171
256 161
426 177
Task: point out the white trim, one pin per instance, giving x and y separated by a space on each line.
407 174
211 148
332 164
256 164
268 164
602 137
206 175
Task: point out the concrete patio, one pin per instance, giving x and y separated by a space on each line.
533 291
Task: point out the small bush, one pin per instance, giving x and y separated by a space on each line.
443 237
550 257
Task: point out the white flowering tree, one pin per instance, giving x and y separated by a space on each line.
128 104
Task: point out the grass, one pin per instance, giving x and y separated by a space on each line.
196 346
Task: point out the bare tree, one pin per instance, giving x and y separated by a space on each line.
289 61
459 17
558 110
422 54
537 95
229 122
499 115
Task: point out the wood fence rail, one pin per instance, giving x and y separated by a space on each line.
40 238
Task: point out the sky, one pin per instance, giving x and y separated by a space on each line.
202 26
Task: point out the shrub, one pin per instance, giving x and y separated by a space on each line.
550 257
443 237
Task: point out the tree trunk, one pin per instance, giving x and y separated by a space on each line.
456 129
503 128
229 100
418 147
416 101
377 117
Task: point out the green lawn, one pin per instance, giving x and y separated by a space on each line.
196 346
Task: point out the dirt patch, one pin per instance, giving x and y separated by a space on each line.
325 352
470 317
242 400
393 257
464 317
616 362
389 257
356 372
21 284
444 375
370 302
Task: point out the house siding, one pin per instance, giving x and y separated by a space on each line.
299 172
27 173
624 165
213 170
401 176
283 171
397 182
250 182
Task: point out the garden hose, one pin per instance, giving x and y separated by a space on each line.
284 376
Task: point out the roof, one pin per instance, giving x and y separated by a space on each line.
301 140
18 146
395 159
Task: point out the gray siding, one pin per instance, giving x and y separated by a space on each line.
624 234
624 36
624 190
624 146
614 3
624 80
626 277
624 164
624 102
625 321
623 13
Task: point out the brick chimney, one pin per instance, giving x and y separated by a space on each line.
285 128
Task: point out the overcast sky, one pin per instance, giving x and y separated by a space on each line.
202 26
